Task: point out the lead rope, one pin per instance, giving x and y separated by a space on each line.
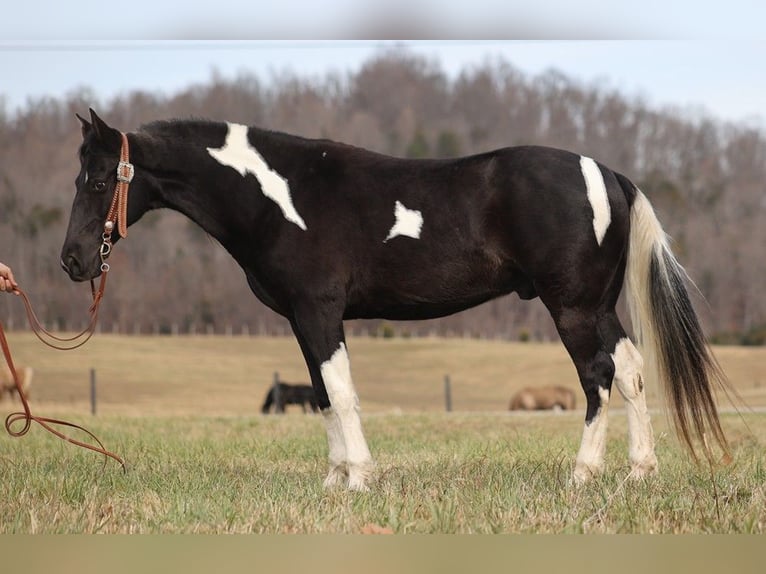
117 213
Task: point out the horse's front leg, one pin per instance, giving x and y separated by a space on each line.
324 348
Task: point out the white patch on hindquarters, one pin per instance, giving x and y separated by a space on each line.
238 154
408 222
599 202
590 457
336 374
627 377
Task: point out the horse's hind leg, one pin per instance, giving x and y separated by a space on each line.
603 354
595 368
630 384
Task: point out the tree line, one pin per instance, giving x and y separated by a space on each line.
704 176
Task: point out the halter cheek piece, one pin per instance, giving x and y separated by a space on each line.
118 210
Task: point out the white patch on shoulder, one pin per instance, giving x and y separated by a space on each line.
408 222
238 154
594 182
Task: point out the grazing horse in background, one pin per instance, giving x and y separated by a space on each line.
290 394
543 398
8 386
325 232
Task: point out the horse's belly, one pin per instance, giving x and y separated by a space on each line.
411 299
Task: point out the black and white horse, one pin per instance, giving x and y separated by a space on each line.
289 394
325 232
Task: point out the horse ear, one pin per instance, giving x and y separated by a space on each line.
85 125
109 136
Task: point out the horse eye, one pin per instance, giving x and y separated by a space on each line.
99 185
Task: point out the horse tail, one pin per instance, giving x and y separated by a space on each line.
668 331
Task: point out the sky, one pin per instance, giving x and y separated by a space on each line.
680 54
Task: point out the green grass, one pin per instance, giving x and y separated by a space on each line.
184 413
445 473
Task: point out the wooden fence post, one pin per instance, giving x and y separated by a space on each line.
447 393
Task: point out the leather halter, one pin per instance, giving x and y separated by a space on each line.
118 210
117 214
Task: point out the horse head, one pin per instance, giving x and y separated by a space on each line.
81 254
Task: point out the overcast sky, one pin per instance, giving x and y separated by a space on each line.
669 53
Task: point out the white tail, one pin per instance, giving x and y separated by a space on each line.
668 332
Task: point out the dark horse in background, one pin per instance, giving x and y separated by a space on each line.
289 394
325 232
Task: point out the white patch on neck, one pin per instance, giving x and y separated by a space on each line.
238 154
408 222
594 182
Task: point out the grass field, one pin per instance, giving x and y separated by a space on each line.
184 413
231 375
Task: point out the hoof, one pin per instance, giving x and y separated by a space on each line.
584 473
338 476
644 469
359 476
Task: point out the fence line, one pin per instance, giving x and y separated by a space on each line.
261 330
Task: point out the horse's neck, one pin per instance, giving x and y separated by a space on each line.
191 184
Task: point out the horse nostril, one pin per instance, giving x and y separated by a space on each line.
70 265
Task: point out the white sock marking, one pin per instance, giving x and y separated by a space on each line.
336 374
594 182
408 222
238 154
627 378
337 457
590 457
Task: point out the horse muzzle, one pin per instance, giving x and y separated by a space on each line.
76 270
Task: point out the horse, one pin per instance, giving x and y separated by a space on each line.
8 386
290 394
325 232
554 397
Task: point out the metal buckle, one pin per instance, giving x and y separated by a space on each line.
125 172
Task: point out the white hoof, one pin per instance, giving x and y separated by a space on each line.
338 476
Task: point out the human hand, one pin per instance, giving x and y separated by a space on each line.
7 282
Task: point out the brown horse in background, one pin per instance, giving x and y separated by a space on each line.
8 386
543 398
